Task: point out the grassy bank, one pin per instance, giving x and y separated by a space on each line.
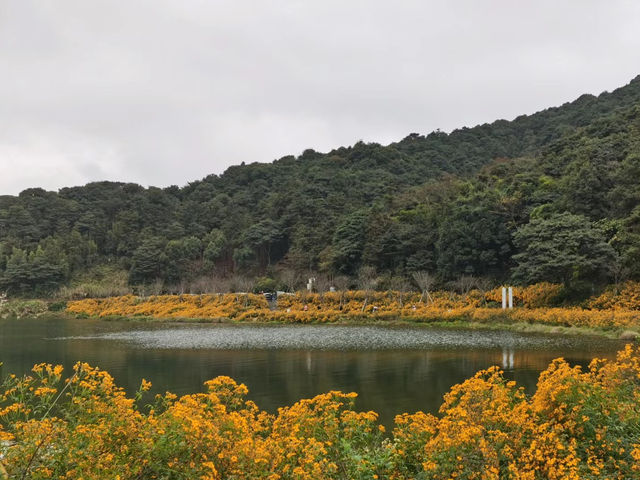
363 307
27 308
538 308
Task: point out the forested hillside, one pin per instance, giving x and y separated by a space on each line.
553 196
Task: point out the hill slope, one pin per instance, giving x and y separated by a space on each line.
450 204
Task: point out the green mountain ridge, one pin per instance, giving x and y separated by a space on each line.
481 201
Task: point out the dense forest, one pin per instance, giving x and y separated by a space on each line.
553 196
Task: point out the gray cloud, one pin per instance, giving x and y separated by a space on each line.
164 92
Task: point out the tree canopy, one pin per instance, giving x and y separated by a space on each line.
550 196
561 248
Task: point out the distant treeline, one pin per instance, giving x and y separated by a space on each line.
551 197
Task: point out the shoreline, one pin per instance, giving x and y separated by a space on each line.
239 309
611 333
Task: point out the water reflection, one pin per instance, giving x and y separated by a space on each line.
507 359
387 378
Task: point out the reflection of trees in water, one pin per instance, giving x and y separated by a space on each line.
388 382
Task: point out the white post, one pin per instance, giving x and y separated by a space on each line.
504 298
510 297
310 283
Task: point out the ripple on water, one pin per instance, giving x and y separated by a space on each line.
333 337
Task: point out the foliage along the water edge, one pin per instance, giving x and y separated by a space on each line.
577 425
551 197
535 304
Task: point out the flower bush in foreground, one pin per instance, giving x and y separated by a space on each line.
578 425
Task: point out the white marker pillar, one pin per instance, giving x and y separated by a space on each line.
510 297
504 298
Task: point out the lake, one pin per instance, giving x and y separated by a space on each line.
393 369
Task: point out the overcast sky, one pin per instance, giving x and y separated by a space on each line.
163 92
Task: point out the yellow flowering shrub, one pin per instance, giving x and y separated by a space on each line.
542 294
625 296
475 438
325 438
606 311
170 306
577 425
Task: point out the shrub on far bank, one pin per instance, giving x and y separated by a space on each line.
23 308
625 296
361 306
543 294
100 282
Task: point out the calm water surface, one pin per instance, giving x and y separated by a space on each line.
393 369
